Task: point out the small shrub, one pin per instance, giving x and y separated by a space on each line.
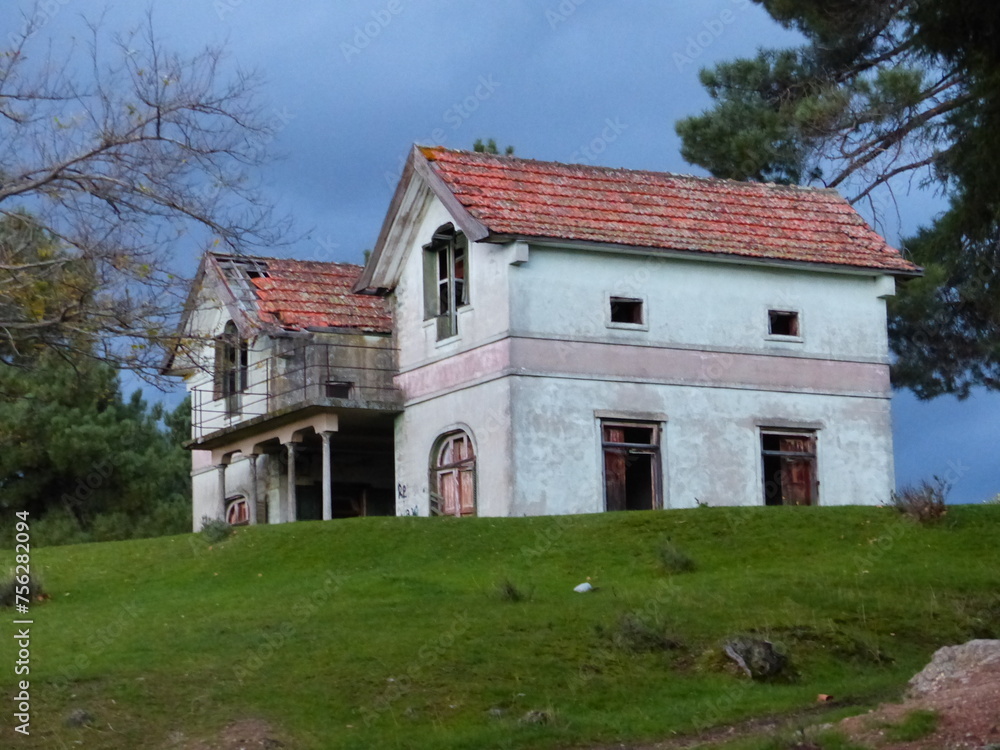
56 528
673 559
635 634
8 589
508 591
215 530
916 725
924 503
111 527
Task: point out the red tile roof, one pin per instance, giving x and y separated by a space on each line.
300 294
536 199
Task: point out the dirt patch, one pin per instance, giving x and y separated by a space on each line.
961 685
245 734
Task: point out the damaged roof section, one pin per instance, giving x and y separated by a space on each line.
529 199
297 295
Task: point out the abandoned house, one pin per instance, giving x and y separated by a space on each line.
538 338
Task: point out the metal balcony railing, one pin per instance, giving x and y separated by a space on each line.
307 375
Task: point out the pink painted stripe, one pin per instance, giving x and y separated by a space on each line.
672 366
456 371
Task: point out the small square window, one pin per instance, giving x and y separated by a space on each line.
626 310
340 389
783 323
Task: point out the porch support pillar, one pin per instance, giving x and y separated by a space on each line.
327 478
290 510
220 498
252 457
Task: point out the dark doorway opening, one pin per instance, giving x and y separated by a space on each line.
308 502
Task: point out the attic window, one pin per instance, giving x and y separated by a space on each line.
783 323
626 310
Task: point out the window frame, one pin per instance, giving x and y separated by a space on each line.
611 448
446 279
238 507
232 366
796 315
462 472
809 457
610 322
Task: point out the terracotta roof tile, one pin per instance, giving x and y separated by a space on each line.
299 294
535 199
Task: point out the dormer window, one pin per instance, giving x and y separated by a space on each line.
231 366
446 263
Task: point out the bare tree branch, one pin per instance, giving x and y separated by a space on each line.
144 153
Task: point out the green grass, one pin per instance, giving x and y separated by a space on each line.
390 633
915 726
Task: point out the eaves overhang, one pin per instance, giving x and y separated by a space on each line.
705 257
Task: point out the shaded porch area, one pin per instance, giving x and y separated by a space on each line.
328 464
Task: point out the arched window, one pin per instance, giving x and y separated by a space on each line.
446 273
238 512
231 365
453 476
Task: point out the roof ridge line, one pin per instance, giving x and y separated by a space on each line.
429 151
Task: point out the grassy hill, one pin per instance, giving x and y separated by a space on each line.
410 632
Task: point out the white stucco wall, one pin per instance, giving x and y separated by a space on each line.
206 322
483 411
710 305
710 451
484 319
271 487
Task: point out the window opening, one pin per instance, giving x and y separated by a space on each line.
631 466
453 476
783 323
339 389
789 461
232 364
446 288
238 512
626 310
239 273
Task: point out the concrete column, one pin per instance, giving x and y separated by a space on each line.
290 511
327 478
252 457
220 500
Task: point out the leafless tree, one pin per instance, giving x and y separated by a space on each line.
120 152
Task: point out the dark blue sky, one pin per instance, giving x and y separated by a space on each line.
352 84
